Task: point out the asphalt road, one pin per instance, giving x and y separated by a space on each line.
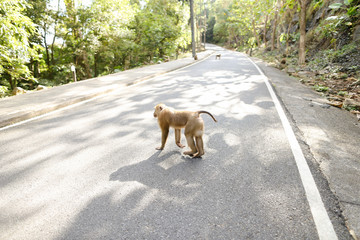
92 171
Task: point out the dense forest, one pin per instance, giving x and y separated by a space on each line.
317 41
42 40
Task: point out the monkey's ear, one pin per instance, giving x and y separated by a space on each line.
161 108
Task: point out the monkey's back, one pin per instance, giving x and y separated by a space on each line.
180 118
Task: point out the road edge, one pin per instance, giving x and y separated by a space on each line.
27 115
321 218
331 167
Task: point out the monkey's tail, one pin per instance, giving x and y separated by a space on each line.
207 113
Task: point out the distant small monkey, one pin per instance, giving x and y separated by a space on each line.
191 121
218 56
195 57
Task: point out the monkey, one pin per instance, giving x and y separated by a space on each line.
191 121
217 56
195 57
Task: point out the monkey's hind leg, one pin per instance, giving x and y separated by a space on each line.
191 144
200 147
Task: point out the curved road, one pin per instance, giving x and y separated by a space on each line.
92 171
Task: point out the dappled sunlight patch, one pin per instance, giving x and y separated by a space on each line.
170 162
185 183
220 74
109 181
175 79
140 118
232 139
144 101
317 135
318 139
58 185
123 189
237 109
147 198
274 134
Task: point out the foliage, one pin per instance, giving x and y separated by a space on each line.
321 88
41 39
343 93
322 58
337 23
15 48
246 24
351 9
161 29
4 91
238 23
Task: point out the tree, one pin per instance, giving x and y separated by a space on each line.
15 50
275 25
161 28
303 4
37 14
80 55
109 38
192 23
101 38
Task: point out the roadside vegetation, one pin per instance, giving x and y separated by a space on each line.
326 56
41 41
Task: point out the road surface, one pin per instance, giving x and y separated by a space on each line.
91 171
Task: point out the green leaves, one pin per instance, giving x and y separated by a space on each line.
15 49
100 38
162 30
335 6
351 10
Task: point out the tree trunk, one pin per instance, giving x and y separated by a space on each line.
204 26
278 44
47 59
81 57
265 25
52 47
82 60
302 31
192 28
274 31
287 40
96 58
12 82
273 34
255 34
36 69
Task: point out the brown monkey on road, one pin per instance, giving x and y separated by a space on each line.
191 121
217 56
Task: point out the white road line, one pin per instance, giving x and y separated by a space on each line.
322 221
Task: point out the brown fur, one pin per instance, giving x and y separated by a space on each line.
191 121
217 56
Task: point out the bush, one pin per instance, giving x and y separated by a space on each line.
4 91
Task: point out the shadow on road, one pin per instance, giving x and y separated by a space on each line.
246 185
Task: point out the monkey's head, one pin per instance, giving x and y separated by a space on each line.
158 109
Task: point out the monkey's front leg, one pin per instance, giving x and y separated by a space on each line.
178 138
164 135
